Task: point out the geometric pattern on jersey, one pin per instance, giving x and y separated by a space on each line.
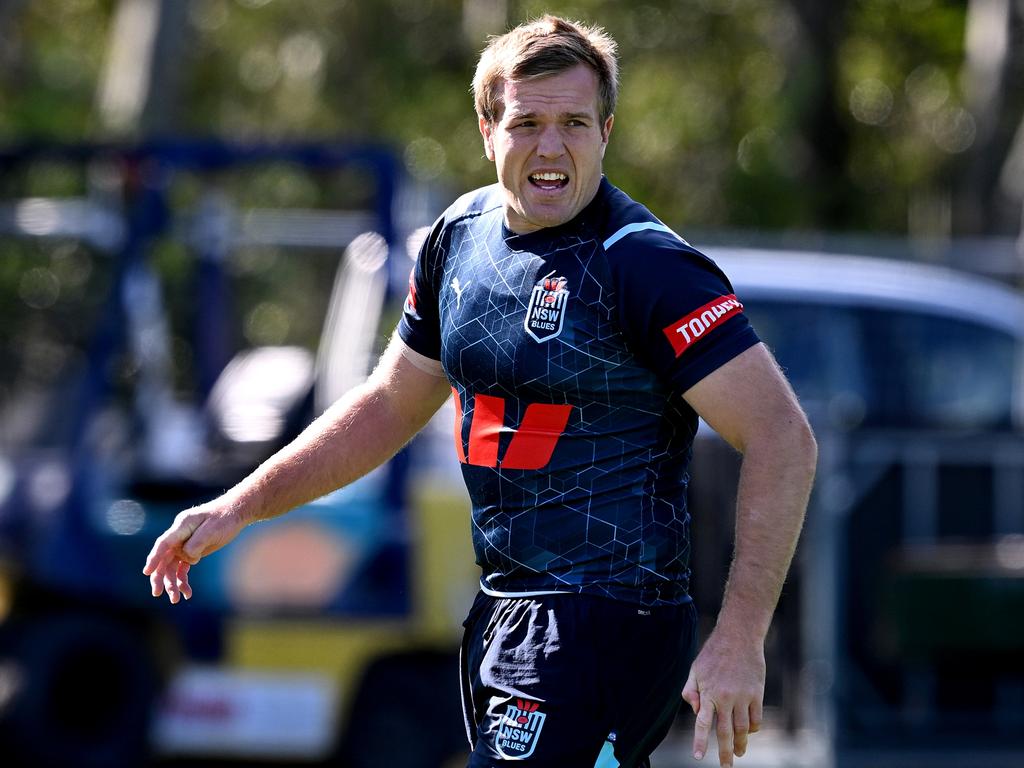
573 434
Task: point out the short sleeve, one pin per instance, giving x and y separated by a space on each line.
419 325
677 309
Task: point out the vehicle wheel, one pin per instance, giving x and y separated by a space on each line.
80 693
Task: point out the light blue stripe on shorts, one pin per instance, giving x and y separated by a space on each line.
607 757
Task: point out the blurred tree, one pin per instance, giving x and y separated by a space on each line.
139 88
887 116
819 121
769 114
993 70
772 114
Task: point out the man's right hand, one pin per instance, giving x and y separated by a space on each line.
195 532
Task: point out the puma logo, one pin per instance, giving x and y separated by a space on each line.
459 288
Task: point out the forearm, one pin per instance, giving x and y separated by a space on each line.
361 431
355 435
775 483
750 404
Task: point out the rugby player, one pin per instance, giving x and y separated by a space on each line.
581 339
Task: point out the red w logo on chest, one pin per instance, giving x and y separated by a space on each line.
532 443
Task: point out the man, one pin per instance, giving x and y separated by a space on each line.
581 338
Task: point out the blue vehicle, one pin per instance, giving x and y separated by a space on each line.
898 635
295 630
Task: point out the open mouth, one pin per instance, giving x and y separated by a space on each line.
549 181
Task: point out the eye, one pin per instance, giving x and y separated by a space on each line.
577 123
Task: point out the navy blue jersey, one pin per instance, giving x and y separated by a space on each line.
568 350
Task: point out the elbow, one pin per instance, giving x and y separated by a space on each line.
802 445
791 441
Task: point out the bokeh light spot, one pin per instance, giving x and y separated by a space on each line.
425 158
871 101
954 130
927 89
39 288
757 150
267 324
259 69
301 56
126 517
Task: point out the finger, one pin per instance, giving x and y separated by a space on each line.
702 728
690 693
725 735
740 729
171 588
756 716
162 551
181 577
158 580
155 557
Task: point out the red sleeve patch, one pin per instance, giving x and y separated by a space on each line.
410 301
688 330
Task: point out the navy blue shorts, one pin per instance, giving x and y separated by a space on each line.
572 681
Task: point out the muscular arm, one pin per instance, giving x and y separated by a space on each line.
363 429
358 433
751 405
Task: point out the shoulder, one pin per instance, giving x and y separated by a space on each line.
472 205
470 209
635 241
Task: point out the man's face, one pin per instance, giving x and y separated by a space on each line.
548 146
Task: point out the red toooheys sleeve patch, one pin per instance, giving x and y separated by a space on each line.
410 300
690 329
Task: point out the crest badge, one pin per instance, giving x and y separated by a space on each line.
519 729
545 312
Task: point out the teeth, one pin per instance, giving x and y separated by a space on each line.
550 176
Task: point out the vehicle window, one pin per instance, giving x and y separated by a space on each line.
939 372
890 368
819 349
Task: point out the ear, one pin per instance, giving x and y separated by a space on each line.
487 131
606 132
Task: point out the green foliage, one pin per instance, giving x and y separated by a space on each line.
52 54
710 129
730 116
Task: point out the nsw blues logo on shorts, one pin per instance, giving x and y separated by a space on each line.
519 730
545 314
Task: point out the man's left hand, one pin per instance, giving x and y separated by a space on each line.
726 684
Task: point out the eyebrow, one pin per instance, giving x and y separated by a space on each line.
564 115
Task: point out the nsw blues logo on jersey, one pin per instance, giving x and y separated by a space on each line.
519 729
545 313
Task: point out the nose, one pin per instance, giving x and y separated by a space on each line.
550 143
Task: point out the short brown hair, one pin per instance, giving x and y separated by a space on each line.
546 46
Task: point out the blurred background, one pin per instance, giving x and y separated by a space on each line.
208 211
